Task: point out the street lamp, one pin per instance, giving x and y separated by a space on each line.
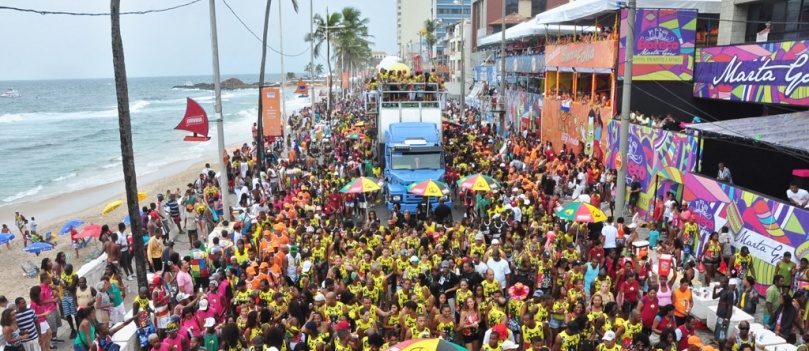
463 63
328 57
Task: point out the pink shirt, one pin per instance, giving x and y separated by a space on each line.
185 283
47 294
39 309
169 342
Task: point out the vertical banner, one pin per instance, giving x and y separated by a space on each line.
664 44
344 80
271 116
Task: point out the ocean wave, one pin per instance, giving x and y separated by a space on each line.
111 165
137 106
66 176
23 194
11 117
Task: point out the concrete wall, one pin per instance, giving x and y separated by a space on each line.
93 271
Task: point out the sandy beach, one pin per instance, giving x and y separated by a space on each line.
85 205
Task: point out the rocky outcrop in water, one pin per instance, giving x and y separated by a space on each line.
228 84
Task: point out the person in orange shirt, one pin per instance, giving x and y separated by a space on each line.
263 273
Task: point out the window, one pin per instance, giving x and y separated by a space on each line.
789 20
413 160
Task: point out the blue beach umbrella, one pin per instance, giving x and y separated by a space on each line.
127 220
38 247
75 223
6 237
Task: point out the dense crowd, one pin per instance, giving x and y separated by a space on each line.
298 265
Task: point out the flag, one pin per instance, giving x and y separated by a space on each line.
566 106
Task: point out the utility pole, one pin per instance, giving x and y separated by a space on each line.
260 161
312 58
283 74
220 127
503 72
623 139
463 71
125 133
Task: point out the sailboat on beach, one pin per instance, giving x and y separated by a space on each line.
302 89
194 121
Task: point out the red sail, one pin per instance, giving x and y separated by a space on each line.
194 121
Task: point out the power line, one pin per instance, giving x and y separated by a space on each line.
256 36
43 12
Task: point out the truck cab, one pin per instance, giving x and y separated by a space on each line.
413 153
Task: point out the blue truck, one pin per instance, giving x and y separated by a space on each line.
413 153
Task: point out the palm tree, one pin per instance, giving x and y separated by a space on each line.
318 69
430 26
325 33
125 132
290 76
308 68
352 46
261 75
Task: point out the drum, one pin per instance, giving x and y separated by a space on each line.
640 248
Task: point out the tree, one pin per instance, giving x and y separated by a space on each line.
352 47
125 132
430 26
325 33
290 76
261 77
319 69
308 68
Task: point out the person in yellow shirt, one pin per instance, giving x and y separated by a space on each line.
154 250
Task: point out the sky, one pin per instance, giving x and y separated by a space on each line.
173 43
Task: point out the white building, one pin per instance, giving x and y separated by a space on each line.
452 50
410 17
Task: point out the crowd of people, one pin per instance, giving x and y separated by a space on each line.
299 266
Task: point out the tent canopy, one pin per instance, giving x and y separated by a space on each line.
588 9
531 29
778 130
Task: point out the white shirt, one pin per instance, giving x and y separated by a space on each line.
610 233
800 196
500 269
122 241
669 205
205 171
481 268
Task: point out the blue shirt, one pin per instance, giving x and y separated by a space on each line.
654 235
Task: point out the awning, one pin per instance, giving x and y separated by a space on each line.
779 131
532 29
588 9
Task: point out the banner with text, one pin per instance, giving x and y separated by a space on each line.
664 44
769 228
599 54
776 73
579 126
271 117
650 150
524 110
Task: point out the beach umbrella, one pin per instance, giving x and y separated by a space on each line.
112 206
127 220
428 188
142 196
6 237
362 185
479 182
91 230
38 247
578 211
434 344
75 223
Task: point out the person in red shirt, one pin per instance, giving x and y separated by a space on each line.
595 200
629 293
657 217
596 251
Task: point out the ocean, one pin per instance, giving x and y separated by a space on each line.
62 135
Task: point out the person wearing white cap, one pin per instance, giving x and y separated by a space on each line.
609 342
509 345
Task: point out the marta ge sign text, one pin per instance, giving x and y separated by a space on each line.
748 73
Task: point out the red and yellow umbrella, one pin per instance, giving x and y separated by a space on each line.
429 188
578 211
434 344
361 185
479 182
